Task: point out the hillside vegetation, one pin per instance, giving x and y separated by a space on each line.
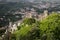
31 29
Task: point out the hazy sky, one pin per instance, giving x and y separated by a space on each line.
18 0
31 0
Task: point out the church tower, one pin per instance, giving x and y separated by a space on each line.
45 13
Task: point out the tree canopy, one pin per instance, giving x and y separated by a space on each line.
47 29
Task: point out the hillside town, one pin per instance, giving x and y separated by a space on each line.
13 15
28 13
21 14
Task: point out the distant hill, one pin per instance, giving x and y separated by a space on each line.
18 0
47 0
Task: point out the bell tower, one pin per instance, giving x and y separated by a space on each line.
45 13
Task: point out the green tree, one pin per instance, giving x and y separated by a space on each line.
28 31
50 27
29 21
